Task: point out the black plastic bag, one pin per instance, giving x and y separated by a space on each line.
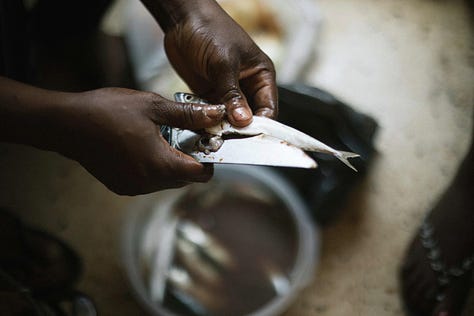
321 115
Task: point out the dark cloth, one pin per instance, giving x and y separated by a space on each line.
49 23
58 20
14 45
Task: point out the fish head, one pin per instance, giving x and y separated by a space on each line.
188 98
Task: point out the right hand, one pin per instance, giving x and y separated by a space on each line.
115 134
221 63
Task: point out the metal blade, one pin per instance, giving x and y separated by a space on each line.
257 150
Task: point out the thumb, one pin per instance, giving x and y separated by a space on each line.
186 115
229 93
239 113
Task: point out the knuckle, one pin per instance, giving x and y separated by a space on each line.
156 108
269 64
232 93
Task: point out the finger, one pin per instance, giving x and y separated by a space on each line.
185 168
186 115
259 84
229 93
238 110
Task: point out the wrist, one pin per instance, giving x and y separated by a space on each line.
169 13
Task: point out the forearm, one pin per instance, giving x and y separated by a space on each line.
172 12
29 115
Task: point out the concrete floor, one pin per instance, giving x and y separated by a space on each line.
408 63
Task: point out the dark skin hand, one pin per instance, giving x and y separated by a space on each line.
114 133
121 128
217 59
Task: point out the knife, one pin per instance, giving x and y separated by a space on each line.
263 142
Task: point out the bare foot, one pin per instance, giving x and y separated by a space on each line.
436 274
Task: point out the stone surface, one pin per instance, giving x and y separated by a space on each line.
408 63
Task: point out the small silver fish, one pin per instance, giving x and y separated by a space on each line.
267 127
188 98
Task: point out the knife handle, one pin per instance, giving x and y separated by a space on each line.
167 131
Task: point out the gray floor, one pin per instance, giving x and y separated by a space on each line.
408 63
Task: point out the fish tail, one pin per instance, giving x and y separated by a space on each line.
344 155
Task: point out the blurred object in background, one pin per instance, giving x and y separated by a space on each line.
319 114
240 244
39 272
287 31
64 46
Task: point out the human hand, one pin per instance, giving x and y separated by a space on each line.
114 133
221 63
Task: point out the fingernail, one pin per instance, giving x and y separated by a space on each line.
241 114
215 111
266 112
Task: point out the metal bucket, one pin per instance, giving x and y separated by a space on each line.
242 244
